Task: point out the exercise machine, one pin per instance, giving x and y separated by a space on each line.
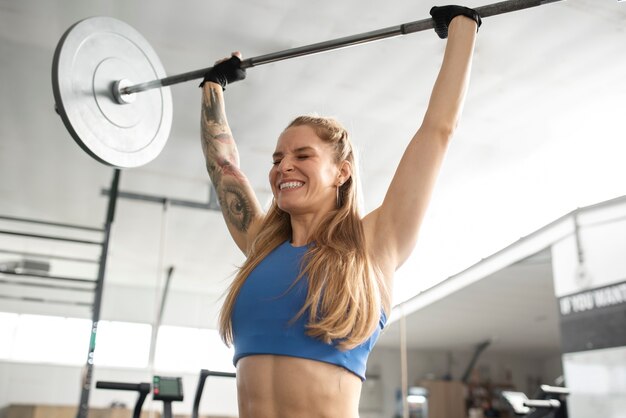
165 389
548 402
204 374
142 388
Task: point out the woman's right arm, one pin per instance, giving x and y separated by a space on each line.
240 206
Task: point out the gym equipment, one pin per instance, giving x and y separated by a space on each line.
93 58
98 59
549 401
165 389
204 373
87 374
142 388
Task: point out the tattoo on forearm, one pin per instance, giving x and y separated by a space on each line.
236 207
217 143
222 163
212 109
214 173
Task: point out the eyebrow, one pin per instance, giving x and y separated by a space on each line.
297 150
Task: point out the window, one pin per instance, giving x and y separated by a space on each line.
191 349
8 325
59 340
50 339
122 344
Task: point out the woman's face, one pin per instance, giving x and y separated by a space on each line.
304 175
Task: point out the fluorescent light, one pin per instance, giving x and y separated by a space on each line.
416 399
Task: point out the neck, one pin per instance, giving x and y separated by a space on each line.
303 227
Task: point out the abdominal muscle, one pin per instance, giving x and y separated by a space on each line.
271 386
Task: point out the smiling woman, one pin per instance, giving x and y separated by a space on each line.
311 154
309 302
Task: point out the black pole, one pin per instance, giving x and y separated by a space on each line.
51 237
478 350
83 407
166 289
47 276
506 6
159 317
26 254
44 285
211 204
167 409
44 300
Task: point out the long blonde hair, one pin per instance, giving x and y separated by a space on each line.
345 295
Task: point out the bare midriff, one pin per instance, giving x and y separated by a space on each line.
271 386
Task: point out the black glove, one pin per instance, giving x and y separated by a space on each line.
225 72
443 16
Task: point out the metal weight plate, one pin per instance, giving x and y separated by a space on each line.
91 57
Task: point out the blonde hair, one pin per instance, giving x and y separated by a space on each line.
345 294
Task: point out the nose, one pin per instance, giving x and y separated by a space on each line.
285 165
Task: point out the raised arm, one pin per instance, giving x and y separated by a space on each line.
392 229
240 207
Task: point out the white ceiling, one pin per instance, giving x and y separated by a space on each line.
514 308
542 131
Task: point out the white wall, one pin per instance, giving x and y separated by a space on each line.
597 380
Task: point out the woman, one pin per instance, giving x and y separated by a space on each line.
307 306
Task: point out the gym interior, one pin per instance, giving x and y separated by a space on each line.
513 302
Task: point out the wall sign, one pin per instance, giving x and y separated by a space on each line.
594 319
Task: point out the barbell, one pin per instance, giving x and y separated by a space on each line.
98 60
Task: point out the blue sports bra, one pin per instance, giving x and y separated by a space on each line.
265 306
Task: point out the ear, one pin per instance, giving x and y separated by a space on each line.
345 171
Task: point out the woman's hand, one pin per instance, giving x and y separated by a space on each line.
443 16
225 71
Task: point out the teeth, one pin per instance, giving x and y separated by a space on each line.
290 185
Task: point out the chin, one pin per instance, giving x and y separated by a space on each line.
291 207
286 208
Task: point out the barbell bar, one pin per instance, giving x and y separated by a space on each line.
506 6
97 60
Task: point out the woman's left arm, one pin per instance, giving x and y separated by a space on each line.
392 228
